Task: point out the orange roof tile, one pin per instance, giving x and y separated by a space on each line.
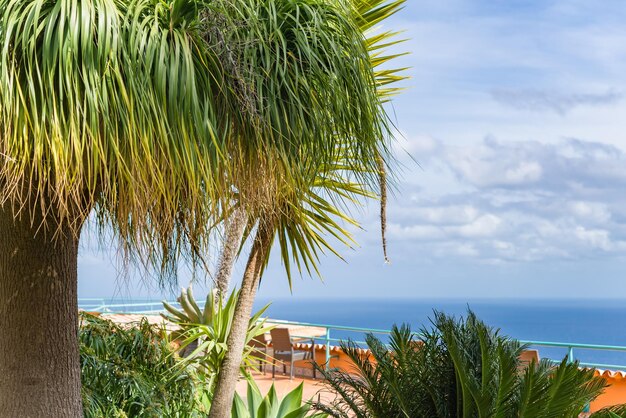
611 374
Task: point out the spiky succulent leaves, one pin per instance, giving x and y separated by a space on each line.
210 329
270 406
113 105
190 313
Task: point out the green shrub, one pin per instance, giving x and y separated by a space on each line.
458 368
131 372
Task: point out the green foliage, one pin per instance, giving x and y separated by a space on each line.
158 114
131 372
459 368
611 412
112 105
323 129
270 406
369 14
209 328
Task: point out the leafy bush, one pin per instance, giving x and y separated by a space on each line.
459 368
131 372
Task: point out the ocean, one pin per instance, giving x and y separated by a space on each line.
572 321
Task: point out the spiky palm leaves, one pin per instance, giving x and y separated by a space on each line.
312 85
307 76
459 368
160 113
114 105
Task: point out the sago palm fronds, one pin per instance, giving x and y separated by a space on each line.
458 368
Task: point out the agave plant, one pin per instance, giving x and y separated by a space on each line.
207 329
270 406
459 368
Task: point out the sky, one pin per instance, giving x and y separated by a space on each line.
511 179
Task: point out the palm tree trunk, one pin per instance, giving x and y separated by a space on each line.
234 234
229 373
39 361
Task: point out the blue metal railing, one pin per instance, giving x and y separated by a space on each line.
145 308
151 307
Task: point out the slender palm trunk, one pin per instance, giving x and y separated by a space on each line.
234 234
39 361
229 373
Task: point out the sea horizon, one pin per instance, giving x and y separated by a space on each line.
565 320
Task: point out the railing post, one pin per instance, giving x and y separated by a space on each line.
570 354
327 349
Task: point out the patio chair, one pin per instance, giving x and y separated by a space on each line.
259 350
284 352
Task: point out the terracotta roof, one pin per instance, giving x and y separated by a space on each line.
334 349
611 374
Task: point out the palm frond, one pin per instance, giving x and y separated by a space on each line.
458 368
110 105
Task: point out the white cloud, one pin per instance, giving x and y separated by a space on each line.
451 214
569 164
561 103
527 201
591 211
596 238
485 226
414 232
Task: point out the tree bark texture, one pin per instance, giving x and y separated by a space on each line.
229 373
39 358
232 241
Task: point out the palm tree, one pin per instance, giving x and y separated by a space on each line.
115 108
309 74
154 116
369 13
458 368
234 230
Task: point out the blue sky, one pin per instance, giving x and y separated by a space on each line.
516 114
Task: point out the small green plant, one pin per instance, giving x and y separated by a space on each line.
270 406
209 328
130 372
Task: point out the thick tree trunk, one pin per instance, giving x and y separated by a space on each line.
39 361
229 373
234 233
